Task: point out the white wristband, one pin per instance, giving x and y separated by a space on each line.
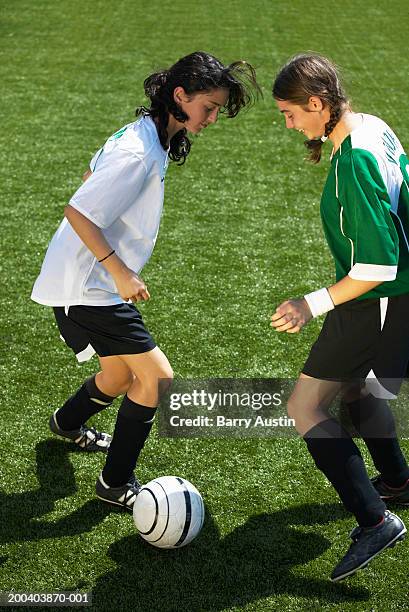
319 302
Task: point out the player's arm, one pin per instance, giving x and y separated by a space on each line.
128 283
365 202
350 288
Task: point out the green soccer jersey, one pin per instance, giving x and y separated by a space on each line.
365 209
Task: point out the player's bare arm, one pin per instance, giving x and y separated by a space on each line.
129 285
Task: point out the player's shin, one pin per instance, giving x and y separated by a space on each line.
338 457
133 425
85 402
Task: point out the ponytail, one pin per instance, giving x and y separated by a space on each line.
314 145
162 103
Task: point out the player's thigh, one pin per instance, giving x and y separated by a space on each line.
310 394
115 376
309 402
149 367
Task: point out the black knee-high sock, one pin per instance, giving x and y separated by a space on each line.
374 421
86 402
132 427
338 457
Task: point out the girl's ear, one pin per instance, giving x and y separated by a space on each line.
179 95
315 103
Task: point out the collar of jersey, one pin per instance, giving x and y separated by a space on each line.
152 126
346 145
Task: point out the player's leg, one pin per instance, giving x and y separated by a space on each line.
375 423
332 448
345 350
96 394
370 412
115 377
69 420
338 457
309 402
152 375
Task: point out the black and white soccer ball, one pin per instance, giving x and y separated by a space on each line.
168 512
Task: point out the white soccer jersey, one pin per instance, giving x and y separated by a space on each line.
123 197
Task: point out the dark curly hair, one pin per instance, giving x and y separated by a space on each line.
310 74
197 72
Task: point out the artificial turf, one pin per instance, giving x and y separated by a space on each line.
240 233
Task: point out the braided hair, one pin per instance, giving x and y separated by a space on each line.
309 75
197 72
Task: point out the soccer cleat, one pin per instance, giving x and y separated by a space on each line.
118 496
367 542
86 438
395 495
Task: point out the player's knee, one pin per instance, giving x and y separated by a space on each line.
163 378
159 378
125 383
116 385
293 408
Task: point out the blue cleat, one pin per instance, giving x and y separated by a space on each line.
367 543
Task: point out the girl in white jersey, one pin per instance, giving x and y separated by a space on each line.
90 274
363 348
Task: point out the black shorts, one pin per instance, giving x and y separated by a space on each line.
364 340
105 330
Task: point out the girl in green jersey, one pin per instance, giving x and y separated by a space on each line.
363 348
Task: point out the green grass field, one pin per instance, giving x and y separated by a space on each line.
232 246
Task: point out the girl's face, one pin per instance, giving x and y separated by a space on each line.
202 108
310 119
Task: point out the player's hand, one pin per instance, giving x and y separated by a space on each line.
131 287
291 316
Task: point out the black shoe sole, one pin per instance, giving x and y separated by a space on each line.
398 538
